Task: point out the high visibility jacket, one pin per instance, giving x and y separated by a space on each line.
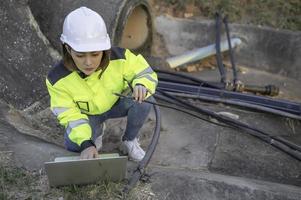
73 97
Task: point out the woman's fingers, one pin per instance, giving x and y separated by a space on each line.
136 92
139 93
89 153
143 93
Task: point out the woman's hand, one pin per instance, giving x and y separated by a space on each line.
139 93
89 153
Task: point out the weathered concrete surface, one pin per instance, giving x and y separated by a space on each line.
185 142
242 155
200 185
276 51
25 56
28 152
239 154
190 143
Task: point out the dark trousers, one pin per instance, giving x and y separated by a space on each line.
136 114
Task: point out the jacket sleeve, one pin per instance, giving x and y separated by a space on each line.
137 71
76 124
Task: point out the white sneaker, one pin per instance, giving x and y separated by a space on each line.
98 140
133 149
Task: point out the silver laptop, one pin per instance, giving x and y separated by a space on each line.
72 170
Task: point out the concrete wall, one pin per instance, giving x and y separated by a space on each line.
276 51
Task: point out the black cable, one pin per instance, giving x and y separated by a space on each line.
207 112
196 80
238 103
253 131
218 48
186 112
230 51
277 104
288 143
204 111
139 171
292 145
171 107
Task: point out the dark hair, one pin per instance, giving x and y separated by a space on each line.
70 65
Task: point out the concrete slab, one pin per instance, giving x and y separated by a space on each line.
200 185
193 144
186 142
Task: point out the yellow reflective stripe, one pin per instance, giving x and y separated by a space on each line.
74 124
147 76
58 110
148 70
80 133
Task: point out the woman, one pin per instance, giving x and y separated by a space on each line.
82 86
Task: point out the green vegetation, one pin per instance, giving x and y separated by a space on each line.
17 183
282 14
11 179
100 190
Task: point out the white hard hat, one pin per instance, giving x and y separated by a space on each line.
85 31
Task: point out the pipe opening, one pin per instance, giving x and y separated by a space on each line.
136 30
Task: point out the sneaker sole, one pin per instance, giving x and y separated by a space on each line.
122 148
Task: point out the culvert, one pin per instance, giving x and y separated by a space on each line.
129 23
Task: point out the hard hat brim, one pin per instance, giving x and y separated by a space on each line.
101 46
91 47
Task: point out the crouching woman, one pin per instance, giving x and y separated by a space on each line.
82 86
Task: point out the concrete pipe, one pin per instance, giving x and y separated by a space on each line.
129 22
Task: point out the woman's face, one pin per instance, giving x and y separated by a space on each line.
87 62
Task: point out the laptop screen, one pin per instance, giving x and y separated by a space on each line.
72 170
